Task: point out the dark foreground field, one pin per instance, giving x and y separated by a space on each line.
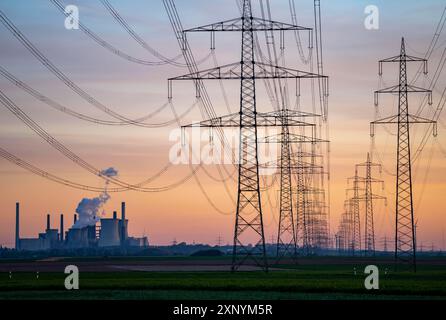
312 278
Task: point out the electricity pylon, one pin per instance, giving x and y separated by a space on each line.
405 249
368 197
354 207
249 215
302 234
287 236
385 244
310 204
347 223
315 220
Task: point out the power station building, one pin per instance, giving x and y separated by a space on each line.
111 232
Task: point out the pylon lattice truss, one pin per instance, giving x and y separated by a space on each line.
368 198
249 215
349 237
405 249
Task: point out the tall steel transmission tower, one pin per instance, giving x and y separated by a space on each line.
249 237
405 249
302 234
350 227
307 225
286 234
302 170
368 197
355 212
385 244
347 229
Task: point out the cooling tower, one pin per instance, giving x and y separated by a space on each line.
77 238
109 235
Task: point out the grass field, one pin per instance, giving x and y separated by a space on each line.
308 281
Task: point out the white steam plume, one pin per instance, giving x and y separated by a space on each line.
89 209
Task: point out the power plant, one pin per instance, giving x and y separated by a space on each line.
110 232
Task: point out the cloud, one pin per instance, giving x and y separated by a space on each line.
109 172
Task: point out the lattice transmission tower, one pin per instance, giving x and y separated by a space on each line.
405 248
287 240
249 236
355 211
368 198
346 228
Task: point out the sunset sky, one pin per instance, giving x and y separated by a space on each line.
351 54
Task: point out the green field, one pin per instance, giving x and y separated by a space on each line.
309 281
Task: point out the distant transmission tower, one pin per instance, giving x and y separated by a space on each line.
405 248
286 234
302 221
249 237
288 230
348 222
219 241
368 197
354 205
287 238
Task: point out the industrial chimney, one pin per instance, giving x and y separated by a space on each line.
61 227
123 224
75 219
48 222
17 226
115 215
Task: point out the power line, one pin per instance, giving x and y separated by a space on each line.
14 109
59 74
206 107
114 50
133 34
433 43
200 185
44 174
57 106
405 246
297 38
138 39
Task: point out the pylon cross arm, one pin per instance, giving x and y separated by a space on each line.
233 71
407 59
396 89
411 119
292 138
258 24
264 119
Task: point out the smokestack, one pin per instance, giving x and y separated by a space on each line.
115 215
123 223
48 221
17 226
61 227
75 218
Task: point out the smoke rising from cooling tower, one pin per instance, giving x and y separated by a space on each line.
89 209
